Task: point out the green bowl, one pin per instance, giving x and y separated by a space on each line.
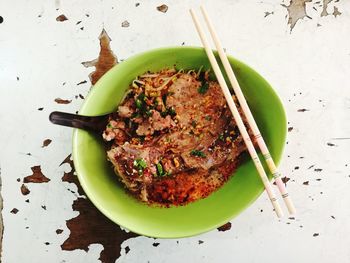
102 186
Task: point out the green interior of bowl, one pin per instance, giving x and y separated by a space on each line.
108 195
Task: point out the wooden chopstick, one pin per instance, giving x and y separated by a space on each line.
237 117
254 127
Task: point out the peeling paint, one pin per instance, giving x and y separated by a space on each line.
61 18
125 23
46 143
70 177
267 14
105 61
36 177
62 101
24 190
225 227
162 8
82 82
324 8
336 11
296 11
91 226
14 211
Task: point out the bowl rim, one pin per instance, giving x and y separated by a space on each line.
101 208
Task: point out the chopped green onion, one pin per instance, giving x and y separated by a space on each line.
135 115
203 88
221 137
208 118
138 103
140 164
198 153
171 111
148 113
142 97
160 170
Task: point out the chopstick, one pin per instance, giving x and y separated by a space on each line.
250 119
237 117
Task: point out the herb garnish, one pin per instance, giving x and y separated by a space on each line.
198 153
140 164
140 102
169 111
160 170
203 88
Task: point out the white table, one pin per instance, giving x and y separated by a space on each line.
309 66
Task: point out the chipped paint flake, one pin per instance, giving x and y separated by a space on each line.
81 82
61 18
225 227
14 211
162 8
105 61
62 101
70 177
91 227
24 190
296 11
46 143
324 7
36 177
125 23
336 11
267 14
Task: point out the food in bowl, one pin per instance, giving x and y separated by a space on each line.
173 139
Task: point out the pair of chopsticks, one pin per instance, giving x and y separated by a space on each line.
246 111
